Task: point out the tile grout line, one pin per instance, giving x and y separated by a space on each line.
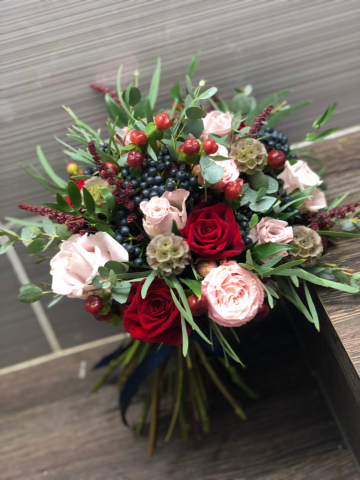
38 309
63 353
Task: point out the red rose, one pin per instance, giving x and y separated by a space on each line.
154 319
212 232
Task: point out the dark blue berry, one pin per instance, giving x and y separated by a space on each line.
170 187
291 220
159 156
145 199
138 262
145 165
243 234
130 249
88 171
161 190
123 222
296 211
278 146
160 167
239 218
152 172
121 214
287 199
119 238
152 163
280 182
159 180
248 241
185 184
146 192
137 200
165 151
168 165
94 169
271 143
286 149
288 210
184 167
144 176
153 194
181 176
284 194
125 231
135 183
143 185
244 225
154 188
173 172
193 181
195 196
150 180
249 215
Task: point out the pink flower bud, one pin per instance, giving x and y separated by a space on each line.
204 268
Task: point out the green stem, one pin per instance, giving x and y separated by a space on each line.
112 365
178 399
144 413
238 410
153 421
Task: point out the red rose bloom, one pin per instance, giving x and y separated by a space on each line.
154 319
212 232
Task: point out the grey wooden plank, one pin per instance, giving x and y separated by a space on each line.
21 338
54 49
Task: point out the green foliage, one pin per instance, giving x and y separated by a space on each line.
147 284
316 137
195 127
115 111
5 246
89 201
35 246
208 93
46 166
74 194
267 249
175 93
210 171
30 293
194 113
194 286
192 64
121 291
275 118
324 117
63 232
241 104
154 85
109 198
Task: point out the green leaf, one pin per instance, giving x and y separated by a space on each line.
134 96
220 140
195 113
195 127
263 205
254 220
210 171
175 93
46 166
267 249
116 111
151 152
208 93
271 100
109 198
5 246
151 129
341 276
89 201
48 226
121 291
103 272
273 185
112 277
117 267
316 137
285 266
35 246
194 286
154 85
55 300
63 232
189 89
192 64
335 202
62 203
147 284
260 194
275 118
185 336
259 180
103 227
25 223
175 229
324 117
241 103
74 195
301 273
330 233
136 172
30 233
30 293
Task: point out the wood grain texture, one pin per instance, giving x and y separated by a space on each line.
53 49
51 426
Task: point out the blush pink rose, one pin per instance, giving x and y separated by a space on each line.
233 294
159 213
301 176
216 123
271 230
231 173
78 261
316 202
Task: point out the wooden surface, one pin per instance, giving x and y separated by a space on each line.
50 426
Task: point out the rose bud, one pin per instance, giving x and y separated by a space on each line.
203 268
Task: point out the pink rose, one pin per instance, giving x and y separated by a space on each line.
231 173
160 212
272 230
233 294
216 123
316 202
301 176
78 261
125 137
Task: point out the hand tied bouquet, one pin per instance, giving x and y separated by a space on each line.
181 226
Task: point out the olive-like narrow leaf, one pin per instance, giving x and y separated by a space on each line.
89 201
55 178
147 284
154 85
324 117
192 64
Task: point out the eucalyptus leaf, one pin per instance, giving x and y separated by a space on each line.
194 113
30 293
35 246
208 93
195 127
210 171
5 246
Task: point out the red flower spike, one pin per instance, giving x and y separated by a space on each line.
163 121
191 147
138 137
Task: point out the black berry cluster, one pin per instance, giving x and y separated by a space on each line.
242 218
124 237
277 140
285 198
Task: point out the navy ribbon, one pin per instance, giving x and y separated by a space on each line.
156 356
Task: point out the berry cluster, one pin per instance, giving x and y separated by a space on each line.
285 199
277 140
124 237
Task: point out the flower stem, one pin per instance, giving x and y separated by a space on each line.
154 412
178 398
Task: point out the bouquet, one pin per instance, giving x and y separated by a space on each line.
181 225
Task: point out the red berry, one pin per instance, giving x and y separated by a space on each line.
138 137
276 158
113 167
181 148
324 242
191 147
72 168
197 307
264 279
135 159
210 146
263 312
103 318
232 190
93 304
163 121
